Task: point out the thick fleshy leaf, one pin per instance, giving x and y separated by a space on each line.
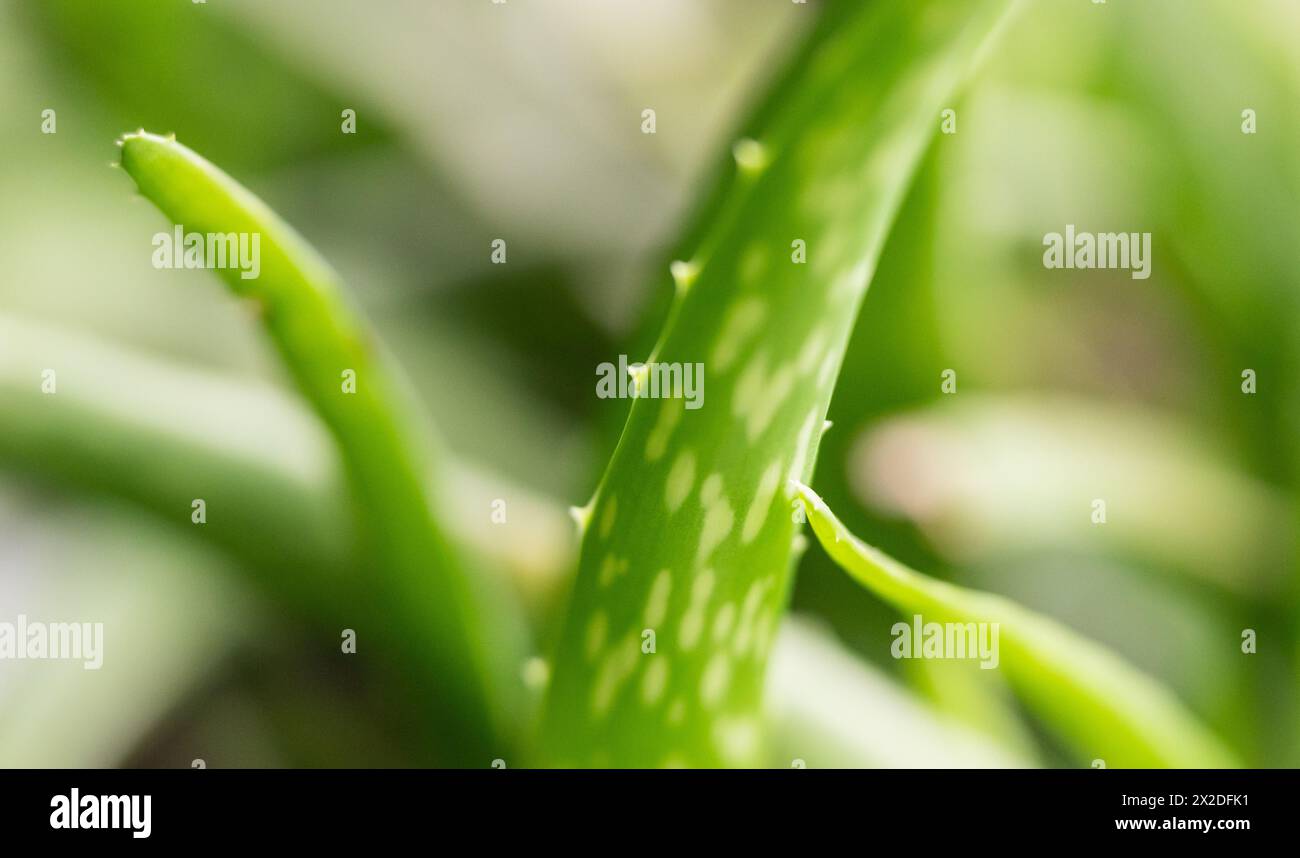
685 559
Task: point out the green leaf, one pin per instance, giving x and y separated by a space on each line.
430 605
691 529
248 450
1106 709
829 708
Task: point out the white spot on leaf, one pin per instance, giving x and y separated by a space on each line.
762 503
680 480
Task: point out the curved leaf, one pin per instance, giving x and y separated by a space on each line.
1107 709
430 609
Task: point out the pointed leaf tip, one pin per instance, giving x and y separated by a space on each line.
684 274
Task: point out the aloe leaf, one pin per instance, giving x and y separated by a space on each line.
430 610
688 538
246 449
1104 707
256 452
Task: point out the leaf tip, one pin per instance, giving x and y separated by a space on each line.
131 138
799 489
684 274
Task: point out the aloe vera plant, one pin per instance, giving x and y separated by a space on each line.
430 610
687 544
1106 709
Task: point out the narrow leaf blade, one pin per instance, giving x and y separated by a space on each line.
430 614
1104 707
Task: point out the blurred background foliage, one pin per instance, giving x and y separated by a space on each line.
477 121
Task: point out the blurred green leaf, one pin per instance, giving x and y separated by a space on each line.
168 65
829 709
987 477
